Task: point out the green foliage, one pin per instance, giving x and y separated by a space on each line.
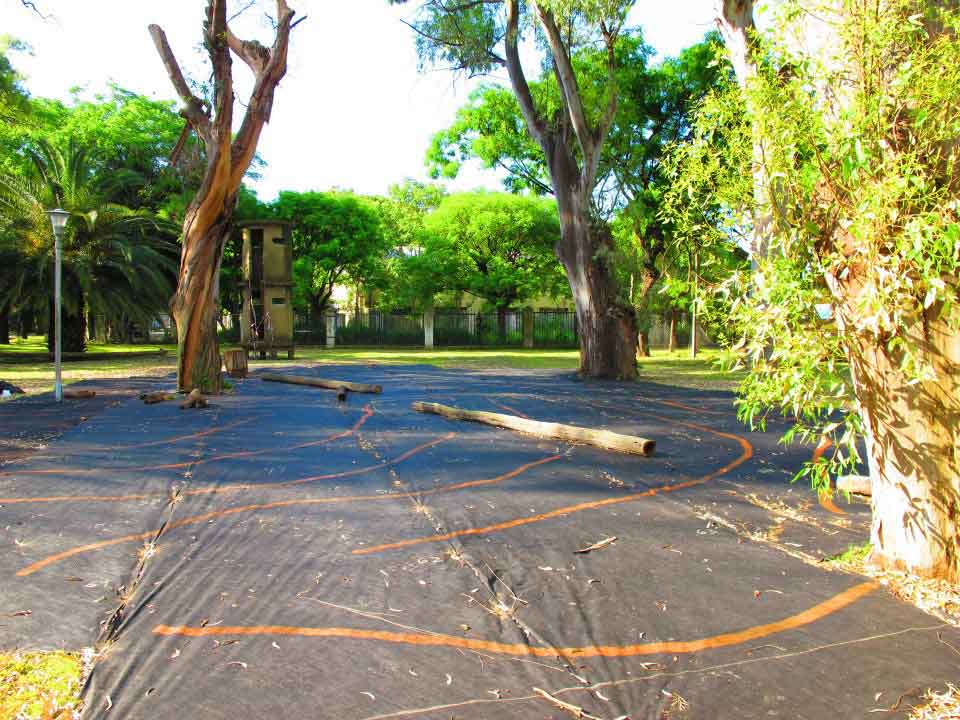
40 685
117 262
862 218
336 235
653 115
494 246
13 97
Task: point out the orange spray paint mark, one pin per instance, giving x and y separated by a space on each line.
746 454
367 413
826 502
811 615
216 514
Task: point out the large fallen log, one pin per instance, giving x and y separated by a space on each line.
321 383
571 433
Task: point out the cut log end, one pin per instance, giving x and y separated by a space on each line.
194 400
570 433
856 484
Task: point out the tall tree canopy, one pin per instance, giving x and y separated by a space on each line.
494 246
336 236
653 116
478 37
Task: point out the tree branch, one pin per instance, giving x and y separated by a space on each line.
568 85
193 108
255 55
214 32
521 89
261 98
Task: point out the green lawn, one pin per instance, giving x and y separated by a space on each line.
39 685
667 368
38 344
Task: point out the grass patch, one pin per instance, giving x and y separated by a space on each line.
854 555
38 344
666 368
39 685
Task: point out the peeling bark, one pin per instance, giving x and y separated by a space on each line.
207 222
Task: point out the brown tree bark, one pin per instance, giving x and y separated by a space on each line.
643 344
911 429
5 326
607 325
207 222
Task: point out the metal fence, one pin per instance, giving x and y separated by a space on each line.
379 328
478 329
309 329
555 328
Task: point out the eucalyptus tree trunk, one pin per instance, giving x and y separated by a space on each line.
911 428
607 325
195 305
913 449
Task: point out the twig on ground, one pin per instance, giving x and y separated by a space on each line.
575 710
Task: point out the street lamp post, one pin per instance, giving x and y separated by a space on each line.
58 218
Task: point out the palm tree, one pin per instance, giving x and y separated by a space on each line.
117 262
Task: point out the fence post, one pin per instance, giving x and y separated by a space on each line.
331 317
428 329
528 327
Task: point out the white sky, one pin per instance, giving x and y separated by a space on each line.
352 112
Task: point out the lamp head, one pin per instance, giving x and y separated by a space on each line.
58 218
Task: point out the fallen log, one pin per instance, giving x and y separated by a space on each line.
79 394
321 383
856 484
571 433
159 396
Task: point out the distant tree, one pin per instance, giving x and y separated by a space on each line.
494 246
654 113
117 262
476 37
336 236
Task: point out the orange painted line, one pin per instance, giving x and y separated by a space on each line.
811 615
192 436
328 476
826 502
367 412
579 507
170 441
213 515
679 405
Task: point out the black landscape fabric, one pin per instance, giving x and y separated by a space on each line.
283 554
